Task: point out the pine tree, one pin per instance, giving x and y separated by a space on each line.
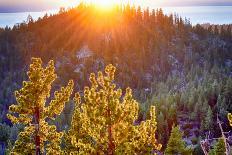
230 118
216 30
228 31
219 148
210 29
223 32
104 121
207 123
33 112
176 145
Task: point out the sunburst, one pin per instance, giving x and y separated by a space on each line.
104 4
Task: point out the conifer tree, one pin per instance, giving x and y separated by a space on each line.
219 148
33 112
216 30
104 121
228 31
207 122
176 145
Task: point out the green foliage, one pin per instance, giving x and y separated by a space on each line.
166 108
207 122
33 112
104 121
185 85
219 148
176 145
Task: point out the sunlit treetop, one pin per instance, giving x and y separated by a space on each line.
104 120
34 112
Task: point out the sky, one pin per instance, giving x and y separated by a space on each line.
40 5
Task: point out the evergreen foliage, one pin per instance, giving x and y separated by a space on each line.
166 108
104 122
219 148
181 69
33 111
176 145
207 123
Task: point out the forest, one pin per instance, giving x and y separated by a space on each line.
130 81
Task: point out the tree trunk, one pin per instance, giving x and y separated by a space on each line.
203 147
37 137
111 145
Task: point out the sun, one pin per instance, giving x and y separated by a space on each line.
104 4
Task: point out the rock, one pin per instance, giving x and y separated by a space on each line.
84 52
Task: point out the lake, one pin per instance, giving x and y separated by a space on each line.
196 14
10 19
204 14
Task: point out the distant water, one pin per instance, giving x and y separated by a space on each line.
10 19
204 14
196 14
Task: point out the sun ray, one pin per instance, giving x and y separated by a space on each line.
104 4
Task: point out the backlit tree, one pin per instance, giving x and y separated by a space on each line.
33 111
104 121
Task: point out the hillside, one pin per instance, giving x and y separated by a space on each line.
184 70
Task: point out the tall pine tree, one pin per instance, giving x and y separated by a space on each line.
33 112
207 123
104 121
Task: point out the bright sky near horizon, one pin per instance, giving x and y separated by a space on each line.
38 5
